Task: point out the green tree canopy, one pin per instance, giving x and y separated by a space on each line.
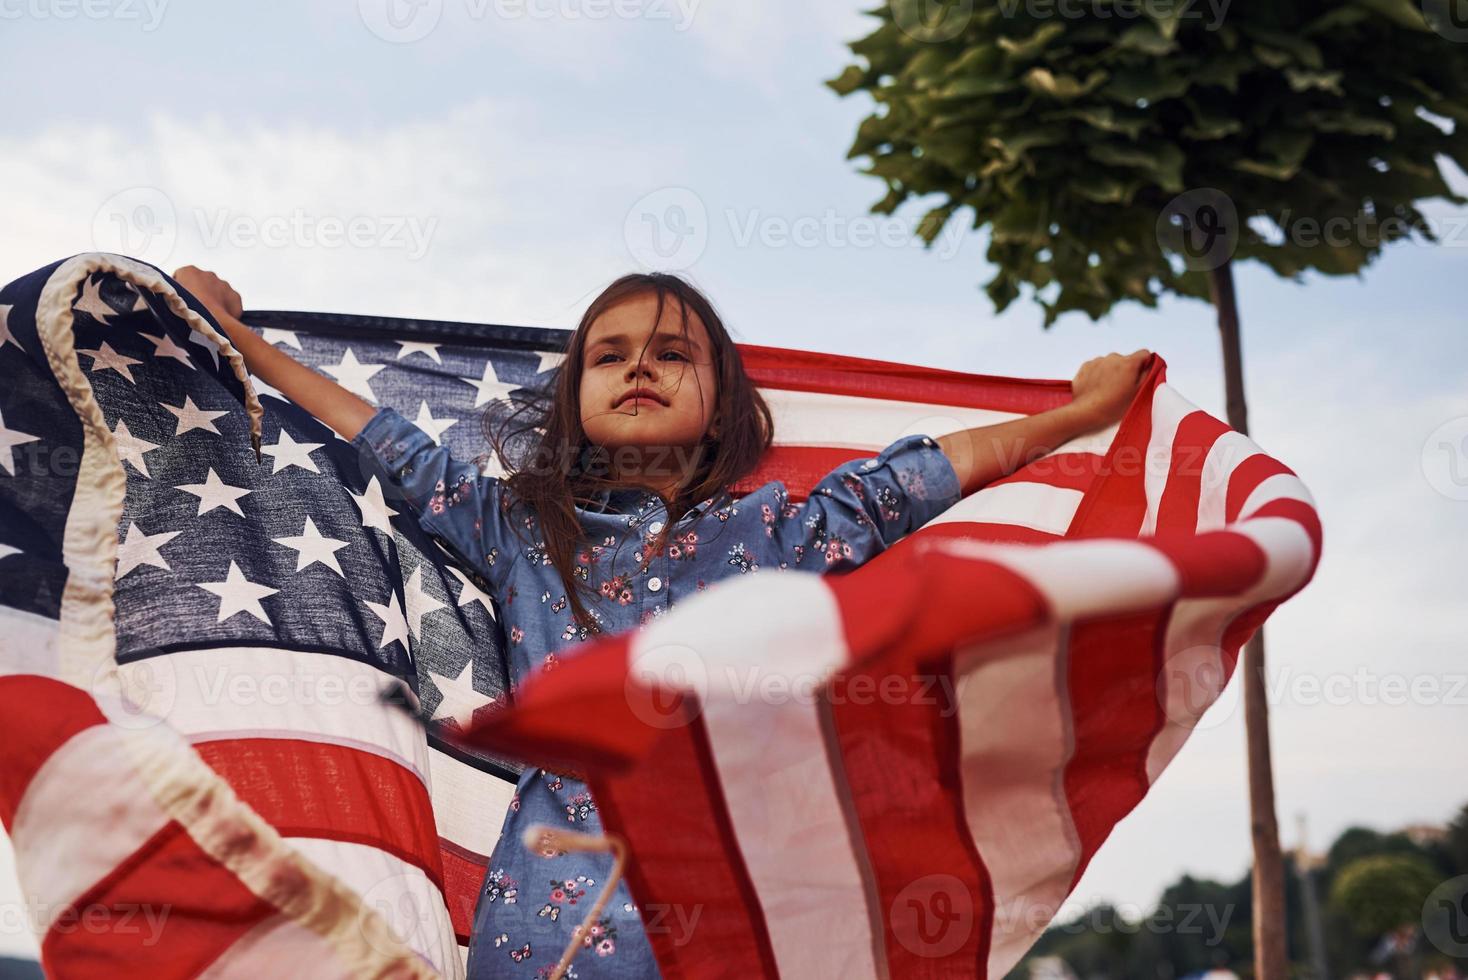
1070 127
1378 894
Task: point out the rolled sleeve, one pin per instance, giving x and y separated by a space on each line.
450 499
864 506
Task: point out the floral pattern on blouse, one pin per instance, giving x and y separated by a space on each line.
852 514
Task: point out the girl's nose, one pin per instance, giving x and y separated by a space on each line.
642 366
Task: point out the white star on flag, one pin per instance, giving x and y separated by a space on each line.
166 347
471 592
9 439
459 700
394 626
191 416
238 594
6 551
130 448
91 302
354 375
375 511
104 358
142 549
419 602
434 427
288 452
416 347
549 359
213 348
6 337
489 388
311 547
214 492
275 335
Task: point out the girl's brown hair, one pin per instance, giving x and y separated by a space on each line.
552 467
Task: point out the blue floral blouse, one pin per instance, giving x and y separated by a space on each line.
531 902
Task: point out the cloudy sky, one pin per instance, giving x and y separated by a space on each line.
502 160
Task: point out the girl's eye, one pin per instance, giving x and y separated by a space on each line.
601 358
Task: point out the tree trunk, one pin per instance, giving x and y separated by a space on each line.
1268 893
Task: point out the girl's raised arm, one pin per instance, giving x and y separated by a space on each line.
1103 388
450 499
328 401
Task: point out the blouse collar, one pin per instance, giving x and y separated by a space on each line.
627 500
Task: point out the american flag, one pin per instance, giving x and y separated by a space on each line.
904 771
216 694
252 609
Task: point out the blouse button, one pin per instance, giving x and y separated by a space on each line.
655 584
655 527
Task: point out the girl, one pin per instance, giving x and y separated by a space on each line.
651 420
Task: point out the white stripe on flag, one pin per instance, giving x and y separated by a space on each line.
266 692
1224 456
399 892
1012 767
813 418
28 644
92 777
1168 410
1087 577
1193 674
1033 505
1281 486
765 736
469 805
266 950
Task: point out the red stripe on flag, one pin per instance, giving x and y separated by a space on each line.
1217 564
1242 628
40 715
827 374
669 872
902 759
332 792
1177 511
168 912
685 861
1117 503
463 877
1116 710
798 467
1246 479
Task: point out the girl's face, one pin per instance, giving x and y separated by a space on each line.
626 351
